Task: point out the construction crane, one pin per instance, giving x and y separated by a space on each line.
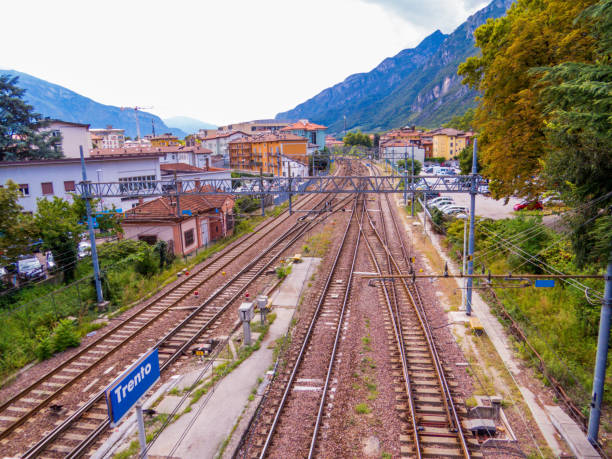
136 116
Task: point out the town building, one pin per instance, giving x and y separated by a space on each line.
47 178
398 149
219 143
251 127
73 136
222 177
192 222
111 137
332 142
315 133
195 156
263 152
165 140
448 142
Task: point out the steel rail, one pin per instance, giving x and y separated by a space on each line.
452 415
259 231
305 343
400 344
332 357
303 226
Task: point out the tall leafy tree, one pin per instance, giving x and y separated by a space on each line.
16 227
357 138
510 118
57 222
577 99
20 127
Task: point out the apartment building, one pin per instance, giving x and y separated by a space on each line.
73 136
315 133
447 142
265 151
108 138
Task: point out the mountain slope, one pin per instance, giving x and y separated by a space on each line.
417 86
187 124
54 101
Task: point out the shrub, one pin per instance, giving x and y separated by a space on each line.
44 349
65 336
283 271
362 408
146 264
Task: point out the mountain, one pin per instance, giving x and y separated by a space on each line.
189 125
417 86
57 102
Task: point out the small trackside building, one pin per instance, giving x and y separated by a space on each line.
193 222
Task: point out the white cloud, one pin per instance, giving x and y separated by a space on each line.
439 14
219 61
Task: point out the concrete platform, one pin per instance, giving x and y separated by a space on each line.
215 415
572 434
290 290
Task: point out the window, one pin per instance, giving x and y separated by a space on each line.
151 240
137 183
24 188
69 185
47 187
189 239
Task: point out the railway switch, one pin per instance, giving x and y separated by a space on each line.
246 311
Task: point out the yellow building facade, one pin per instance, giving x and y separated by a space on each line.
264 152
448 143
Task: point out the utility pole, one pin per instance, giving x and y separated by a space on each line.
289 174
473 191
412 180
405 176
92 235
602 357
263 196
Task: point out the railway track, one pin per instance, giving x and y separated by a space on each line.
303 382
427 403
19 411
81 430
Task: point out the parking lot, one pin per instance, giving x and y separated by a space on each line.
485 206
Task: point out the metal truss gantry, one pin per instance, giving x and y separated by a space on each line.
279 185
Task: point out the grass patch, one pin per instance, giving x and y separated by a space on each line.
362 408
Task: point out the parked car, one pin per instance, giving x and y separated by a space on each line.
29 268
442 200
553 199
484 189
453 210
84 249
528 205
444 203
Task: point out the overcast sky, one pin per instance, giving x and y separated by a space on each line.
218 61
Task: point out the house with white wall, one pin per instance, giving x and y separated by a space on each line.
43 179
111 137
397 149
293 167
74 135
218 142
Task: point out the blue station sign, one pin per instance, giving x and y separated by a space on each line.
545 283
125 391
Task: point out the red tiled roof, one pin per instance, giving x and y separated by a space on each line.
165 207
269 137
180 167
304 125
222 135
148 150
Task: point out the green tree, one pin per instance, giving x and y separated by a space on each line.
58 225
463 122
407 164
465 160
357 138
16 227
577 98
20 127
509 117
